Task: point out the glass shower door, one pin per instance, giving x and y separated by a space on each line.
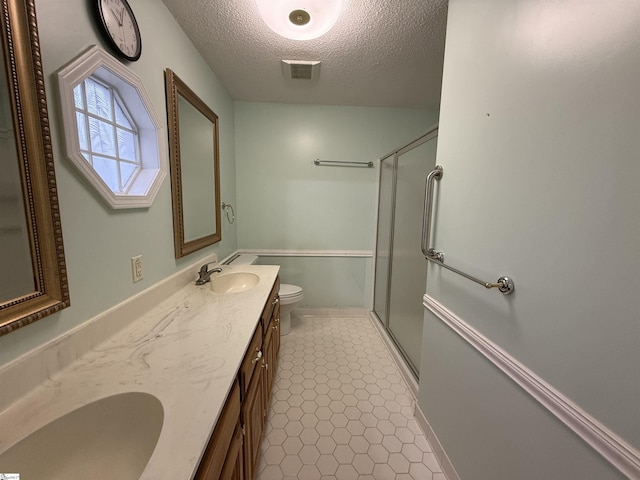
383 245
408 266
401 270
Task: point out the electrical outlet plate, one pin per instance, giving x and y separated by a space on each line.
136 268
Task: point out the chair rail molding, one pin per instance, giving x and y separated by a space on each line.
610 446
307 253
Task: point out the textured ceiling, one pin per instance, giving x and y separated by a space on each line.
380 52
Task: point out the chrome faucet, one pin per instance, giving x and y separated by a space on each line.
204 274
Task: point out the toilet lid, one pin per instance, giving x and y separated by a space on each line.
287 290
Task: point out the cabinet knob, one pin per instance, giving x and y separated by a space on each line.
258 357
275 302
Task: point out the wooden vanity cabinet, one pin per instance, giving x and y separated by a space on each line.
271 347
252 360
252 419
223 440
233 468
273 303
256 404
234 448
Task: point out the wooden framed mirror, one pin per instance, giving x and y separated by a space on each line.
195 168
33 283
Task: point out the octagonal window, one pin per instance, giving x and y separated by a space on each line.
107 136
112 133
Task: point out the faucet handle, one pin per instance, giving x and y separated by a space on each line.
205 268
205 273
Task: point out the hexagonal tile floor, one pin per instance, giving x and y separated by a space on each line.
341 409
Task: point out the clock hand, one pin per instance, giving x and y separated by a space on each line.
116 17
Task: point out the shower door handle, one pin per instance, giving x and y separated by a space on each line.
427 251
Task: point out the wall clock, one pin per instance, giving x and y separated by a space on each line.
120 27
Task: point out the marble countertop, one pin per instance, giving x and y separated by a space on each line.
185 351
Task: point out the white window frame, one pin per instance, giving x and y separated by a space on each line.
115 101
101 66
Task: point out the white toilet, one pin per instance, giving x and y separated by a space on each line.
290 295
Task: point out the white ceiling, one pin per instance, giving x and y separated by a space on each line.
380 52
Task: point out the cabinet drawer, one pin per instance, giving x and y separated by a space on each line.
251 360
216 452
272 302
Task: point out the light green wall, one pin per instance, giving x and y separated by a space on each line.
286 202
490 427
539 143
327 282
99 241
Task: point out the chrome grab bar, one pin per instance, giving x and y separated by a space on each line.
504 284
435 174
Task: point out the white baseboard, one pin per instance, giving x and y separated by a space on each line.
332 312
444 460
613 449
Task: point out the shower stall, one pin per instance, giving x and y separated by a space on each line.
400 268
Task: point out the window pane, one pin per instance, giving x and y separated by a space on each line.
98 99
126 171
82 131
101 137
126 145
108 171
86 157
78 97
121 118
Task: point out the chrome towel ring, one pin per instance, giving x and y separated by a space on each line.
226 208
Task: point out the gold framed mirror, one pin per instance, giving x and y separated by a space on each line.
195 168
33 283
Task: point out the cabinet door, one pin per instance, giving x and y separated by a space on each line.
233 465
252 360
253 421
268 362
276 336
271 351
213 460
270 306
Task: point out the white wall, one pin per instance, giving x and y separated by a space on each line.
286 202
539 143
99 241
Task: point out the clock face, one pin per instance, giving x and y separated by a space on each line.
121 27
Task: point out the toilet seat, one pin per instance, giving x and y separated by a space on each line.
289 293
287 290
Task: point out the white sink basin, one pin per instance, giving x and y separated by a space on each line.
234 282
111 438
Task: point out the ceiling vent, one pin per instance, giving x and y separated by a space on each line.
300 69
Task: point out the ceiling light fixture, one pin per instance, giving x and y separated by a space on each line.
300 19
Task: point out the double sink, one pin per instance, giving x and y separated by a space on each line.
116 434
